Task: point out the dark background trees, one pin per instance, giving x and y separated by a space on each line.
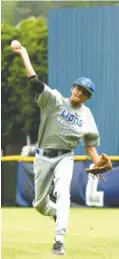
20 115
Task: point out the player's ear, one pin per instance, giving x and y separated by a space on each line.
86 98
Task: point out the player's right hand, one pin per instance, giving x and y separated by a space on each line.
17 48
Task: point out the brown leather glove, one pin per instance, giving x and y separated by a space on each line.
101 167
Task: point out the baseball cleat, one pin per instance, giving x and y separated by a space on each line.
58 248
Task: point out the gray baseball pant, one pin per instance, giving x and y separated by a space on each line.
58 169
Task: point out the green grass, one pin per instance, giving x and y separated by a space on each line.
92 234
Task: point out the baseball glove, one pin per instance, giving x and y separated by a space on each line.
101 167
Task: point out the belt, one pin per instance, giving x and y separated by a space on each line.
51 152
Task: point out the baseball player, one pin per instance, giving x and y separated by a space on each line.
65 122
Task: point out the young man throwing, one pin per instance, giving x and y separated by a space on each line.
65 122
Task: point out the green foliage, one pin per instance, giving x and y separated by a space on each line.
19 112
83 3
15 11
8 11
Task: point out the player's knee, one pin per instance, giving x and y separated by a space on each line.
39 207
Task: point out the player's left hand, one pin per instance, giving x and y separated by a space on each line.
101 167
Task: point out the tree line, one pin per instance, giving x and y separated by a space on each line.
20 115
12 12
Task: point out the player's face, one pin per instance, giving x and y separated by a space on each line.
79 95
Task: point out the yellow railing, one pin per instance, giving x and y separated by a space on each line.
31 159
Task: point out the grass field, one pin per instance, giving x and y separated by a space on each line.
92 234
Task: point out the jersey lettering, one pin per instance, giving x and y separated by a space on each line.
71 118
